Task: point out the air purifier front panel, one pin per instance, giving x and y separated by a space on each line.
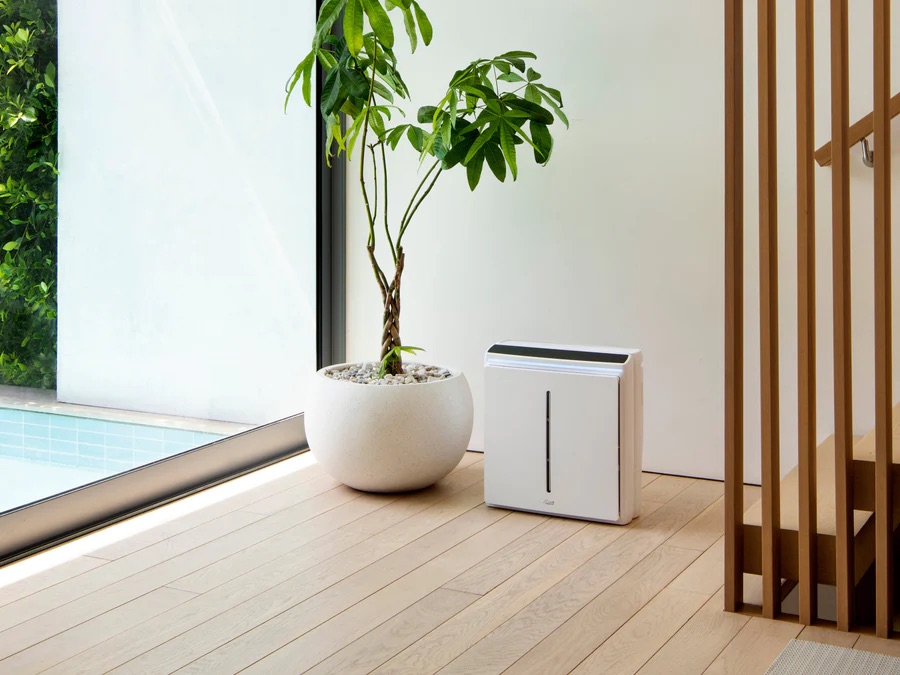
552 442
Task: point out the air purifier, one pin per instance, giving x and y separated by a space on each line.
564 430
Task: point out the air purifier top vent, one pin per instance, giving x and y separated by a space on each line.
547 356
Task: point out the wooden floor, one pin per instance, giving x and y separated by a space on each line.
305 574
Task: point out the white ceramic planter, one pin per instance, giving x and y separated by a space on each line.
389 438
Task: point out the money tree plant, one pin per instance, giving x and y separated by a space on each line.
492 108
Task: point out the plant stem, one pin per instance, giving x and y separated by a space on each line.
362 163
413 199
374 178
416 207
387 231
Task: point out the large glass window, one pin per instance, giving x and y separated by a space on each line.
182 282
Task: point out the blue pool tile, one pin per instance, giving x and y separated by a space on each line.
88 450
63 422
35 443
125 442
36 431
63 434
119 429
87 424
11 439
141 458
119 454
39 455
36 418
114 467
148 444
178 436
70 447
97 463
8 415
201 438
175 448
11 451
141 431
64 458
7 427
91 437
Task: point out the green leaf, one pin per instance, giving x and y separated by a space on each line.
446 130
10 246
532 94
509 148
454 105
483 138
353 26
425 114
330 91
50 76
473 170
416 138
543 141
495 161
559 113
553 92
532 75
511 77
518 55
532 110
410 25
424 24
328 14
380 21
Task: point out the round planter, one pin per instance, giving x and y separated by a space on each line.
388 438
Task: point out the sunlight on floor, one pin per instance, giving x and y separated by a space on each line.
128 528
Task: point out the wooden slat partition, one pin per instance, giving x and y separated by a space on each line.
884 553
806 313
768 309
734 304
843 395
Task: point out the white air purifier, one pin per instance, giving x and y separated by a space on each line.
564 430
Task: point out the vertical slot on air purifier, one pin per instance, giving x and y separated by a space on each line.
547 443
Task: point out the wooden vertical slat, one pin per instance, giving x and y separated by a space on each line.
884 552
843 394
768 310
734 304
806 311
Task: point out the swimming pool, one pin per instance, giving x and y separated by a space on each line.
43 454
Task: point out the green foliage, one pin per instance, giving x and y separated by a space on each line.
395 355
28 162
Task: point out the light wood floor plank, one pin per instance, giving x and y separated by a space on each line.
412 504
391 637
699 642
52 651
647 478
870 643
515 637
48 578
336 583
315 646
664 488
15 616
453 637
239 651
287 498
755 647
577 638
302 574
280 544
496 569
188 521
828 636
706 574
635 643
702 531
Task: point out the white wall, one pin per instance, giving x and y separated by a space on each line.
187 208
620 239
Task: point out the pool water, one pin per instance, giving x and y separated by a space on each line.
43 454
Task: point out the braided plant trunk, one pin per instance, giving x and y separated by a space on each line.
390 296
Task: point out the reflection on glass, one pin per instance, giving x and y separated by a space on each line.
186 236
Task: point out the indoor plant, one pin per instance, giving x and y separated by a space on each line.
407 437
